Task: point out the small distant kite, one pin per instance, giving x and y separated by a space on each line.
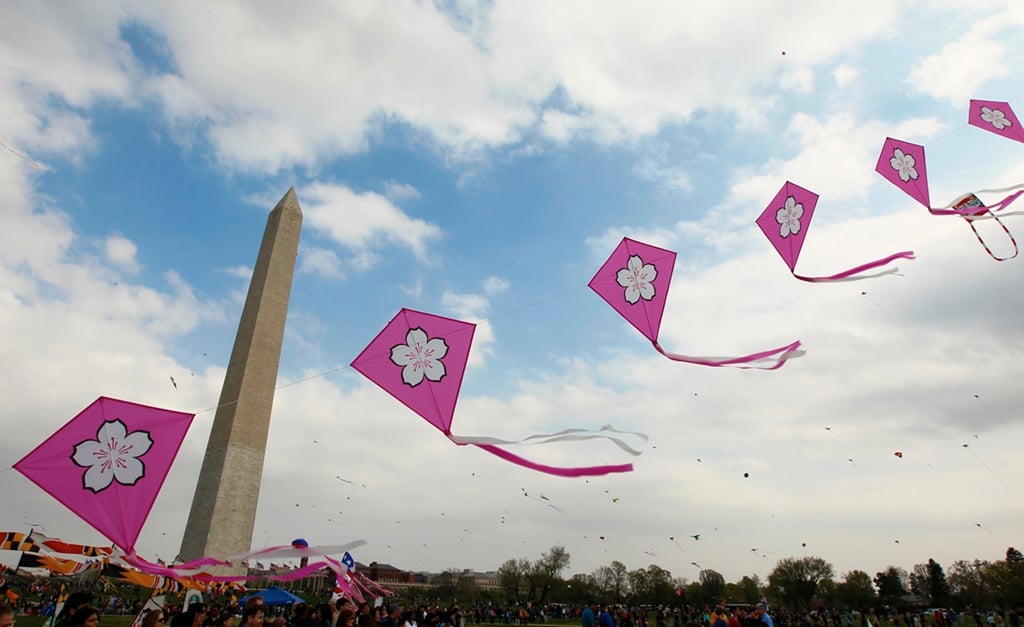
635 281
899 454
902 163
420 359
785 222
696 536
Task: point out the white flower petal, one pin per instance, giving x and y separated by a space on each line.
86 453
632 294
646 291
112 429
635 263
128 470
649 273
624 277
98 477
435 348
415 337
136 444
433 369
412 374
402 355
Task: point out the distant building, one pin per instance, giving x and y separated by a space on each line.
394 577
386 573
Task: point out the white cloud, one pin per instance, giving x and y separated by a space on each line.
364 222
844 75
472 308
398 192
121 251
957 72
321 262
241 272
495 285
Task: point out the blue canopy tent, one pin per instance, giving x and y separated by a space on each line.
275 596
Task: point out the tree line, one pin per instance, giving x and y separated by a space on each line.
793 583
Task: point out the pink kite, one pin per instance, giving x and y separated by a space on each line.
634 281
420 359
108 463
902 163
785 222
995 117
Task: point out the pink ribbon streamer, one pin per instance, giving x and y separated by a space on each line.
974 211
575 471
851 274
774 358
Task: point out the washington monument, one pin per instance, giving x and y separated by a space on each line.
223 512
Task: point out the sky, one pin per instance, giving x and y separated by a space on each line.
481 160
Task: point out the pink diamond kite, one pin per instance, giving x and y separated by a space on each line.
108 463
420 359
995 117
635 280
786 219
785 222
902 164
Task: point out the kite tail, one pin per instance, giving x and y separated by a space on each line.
854 274
565 435
977 212
970 208
765 360
575 471
970 222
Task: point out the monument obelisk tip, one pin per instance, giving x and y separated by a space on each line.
289 202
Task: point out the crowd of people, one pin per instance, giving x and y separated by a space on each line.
78 611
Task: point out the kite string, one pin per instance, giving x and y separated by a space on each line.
33 163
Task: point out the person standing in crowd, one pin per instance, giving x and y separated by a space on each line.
252 615
323 616
718 617
763 616
346 617
86 616
74 601
588 618
604 619
6 615
153 618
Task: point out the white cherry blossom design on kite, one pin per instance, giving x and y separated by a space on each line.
113 455
904 164
638 279
420 357
995 117
789 216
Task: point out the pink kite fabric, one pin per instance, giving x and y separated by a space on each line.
319 559
108 463
785 222
635 280
903 164
420 359
995 117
